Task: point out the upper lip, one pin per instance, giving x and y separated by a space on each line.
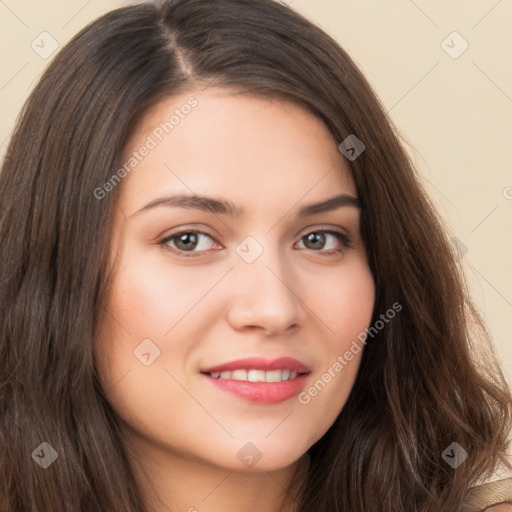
258 363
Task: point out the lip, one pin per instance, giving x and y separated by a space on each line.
261 392
259 363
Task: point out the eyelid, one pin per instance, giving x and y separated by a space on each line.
186 229
329 228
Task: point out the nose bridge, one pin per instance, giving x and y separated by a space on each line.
263 294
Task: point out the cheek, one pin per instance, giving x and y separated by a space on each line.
141 299
347 310
352 315
346 307
150 300
150 297
145 303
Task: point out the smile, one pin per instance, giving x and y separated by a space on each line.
256 375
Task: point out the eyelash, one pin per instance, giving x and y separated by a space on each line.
346 242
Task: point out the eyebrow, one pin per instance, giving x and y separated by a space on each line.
226 207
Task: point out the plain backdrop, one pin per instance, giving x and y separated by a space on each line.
442 70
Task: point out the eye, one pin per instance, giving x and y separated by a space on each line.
327 242
190 242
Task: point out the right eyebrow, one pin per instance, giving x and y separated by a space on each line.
207 204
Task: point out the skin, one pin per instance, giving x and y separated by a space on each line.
182 433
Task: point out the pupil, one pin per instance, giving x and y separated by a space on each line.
187 240
315 238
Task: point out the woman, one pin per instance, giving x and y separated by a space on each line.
223 287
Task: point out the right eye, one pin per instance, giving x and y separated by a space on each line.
188 242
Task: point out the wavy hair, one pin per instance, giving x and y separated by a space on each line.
420 386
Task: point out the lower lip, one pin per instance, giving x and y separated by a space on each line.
261 392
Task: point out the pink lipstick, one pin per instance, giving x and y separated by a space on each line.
260 380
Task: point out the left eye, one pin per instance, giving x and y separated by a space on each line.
319 241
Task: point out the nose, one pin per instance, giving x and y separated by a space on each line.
264 297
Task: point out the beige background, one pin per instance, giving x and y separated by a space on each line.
455 114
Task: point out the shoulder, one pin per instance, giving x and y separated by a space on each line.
490 497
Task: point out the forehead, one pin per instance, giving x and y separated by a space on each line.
223 143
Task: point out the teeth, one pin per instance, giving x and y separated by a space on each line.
256 375
238 374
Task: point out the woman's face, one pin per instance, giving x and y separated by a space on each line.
254 272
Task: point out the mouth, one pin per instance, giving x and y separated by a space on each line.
261 364
252 375
258 380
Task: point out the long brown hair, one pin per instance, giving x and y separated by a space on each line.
419 388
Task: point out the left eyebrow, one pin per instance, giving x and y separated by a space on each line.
329 204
